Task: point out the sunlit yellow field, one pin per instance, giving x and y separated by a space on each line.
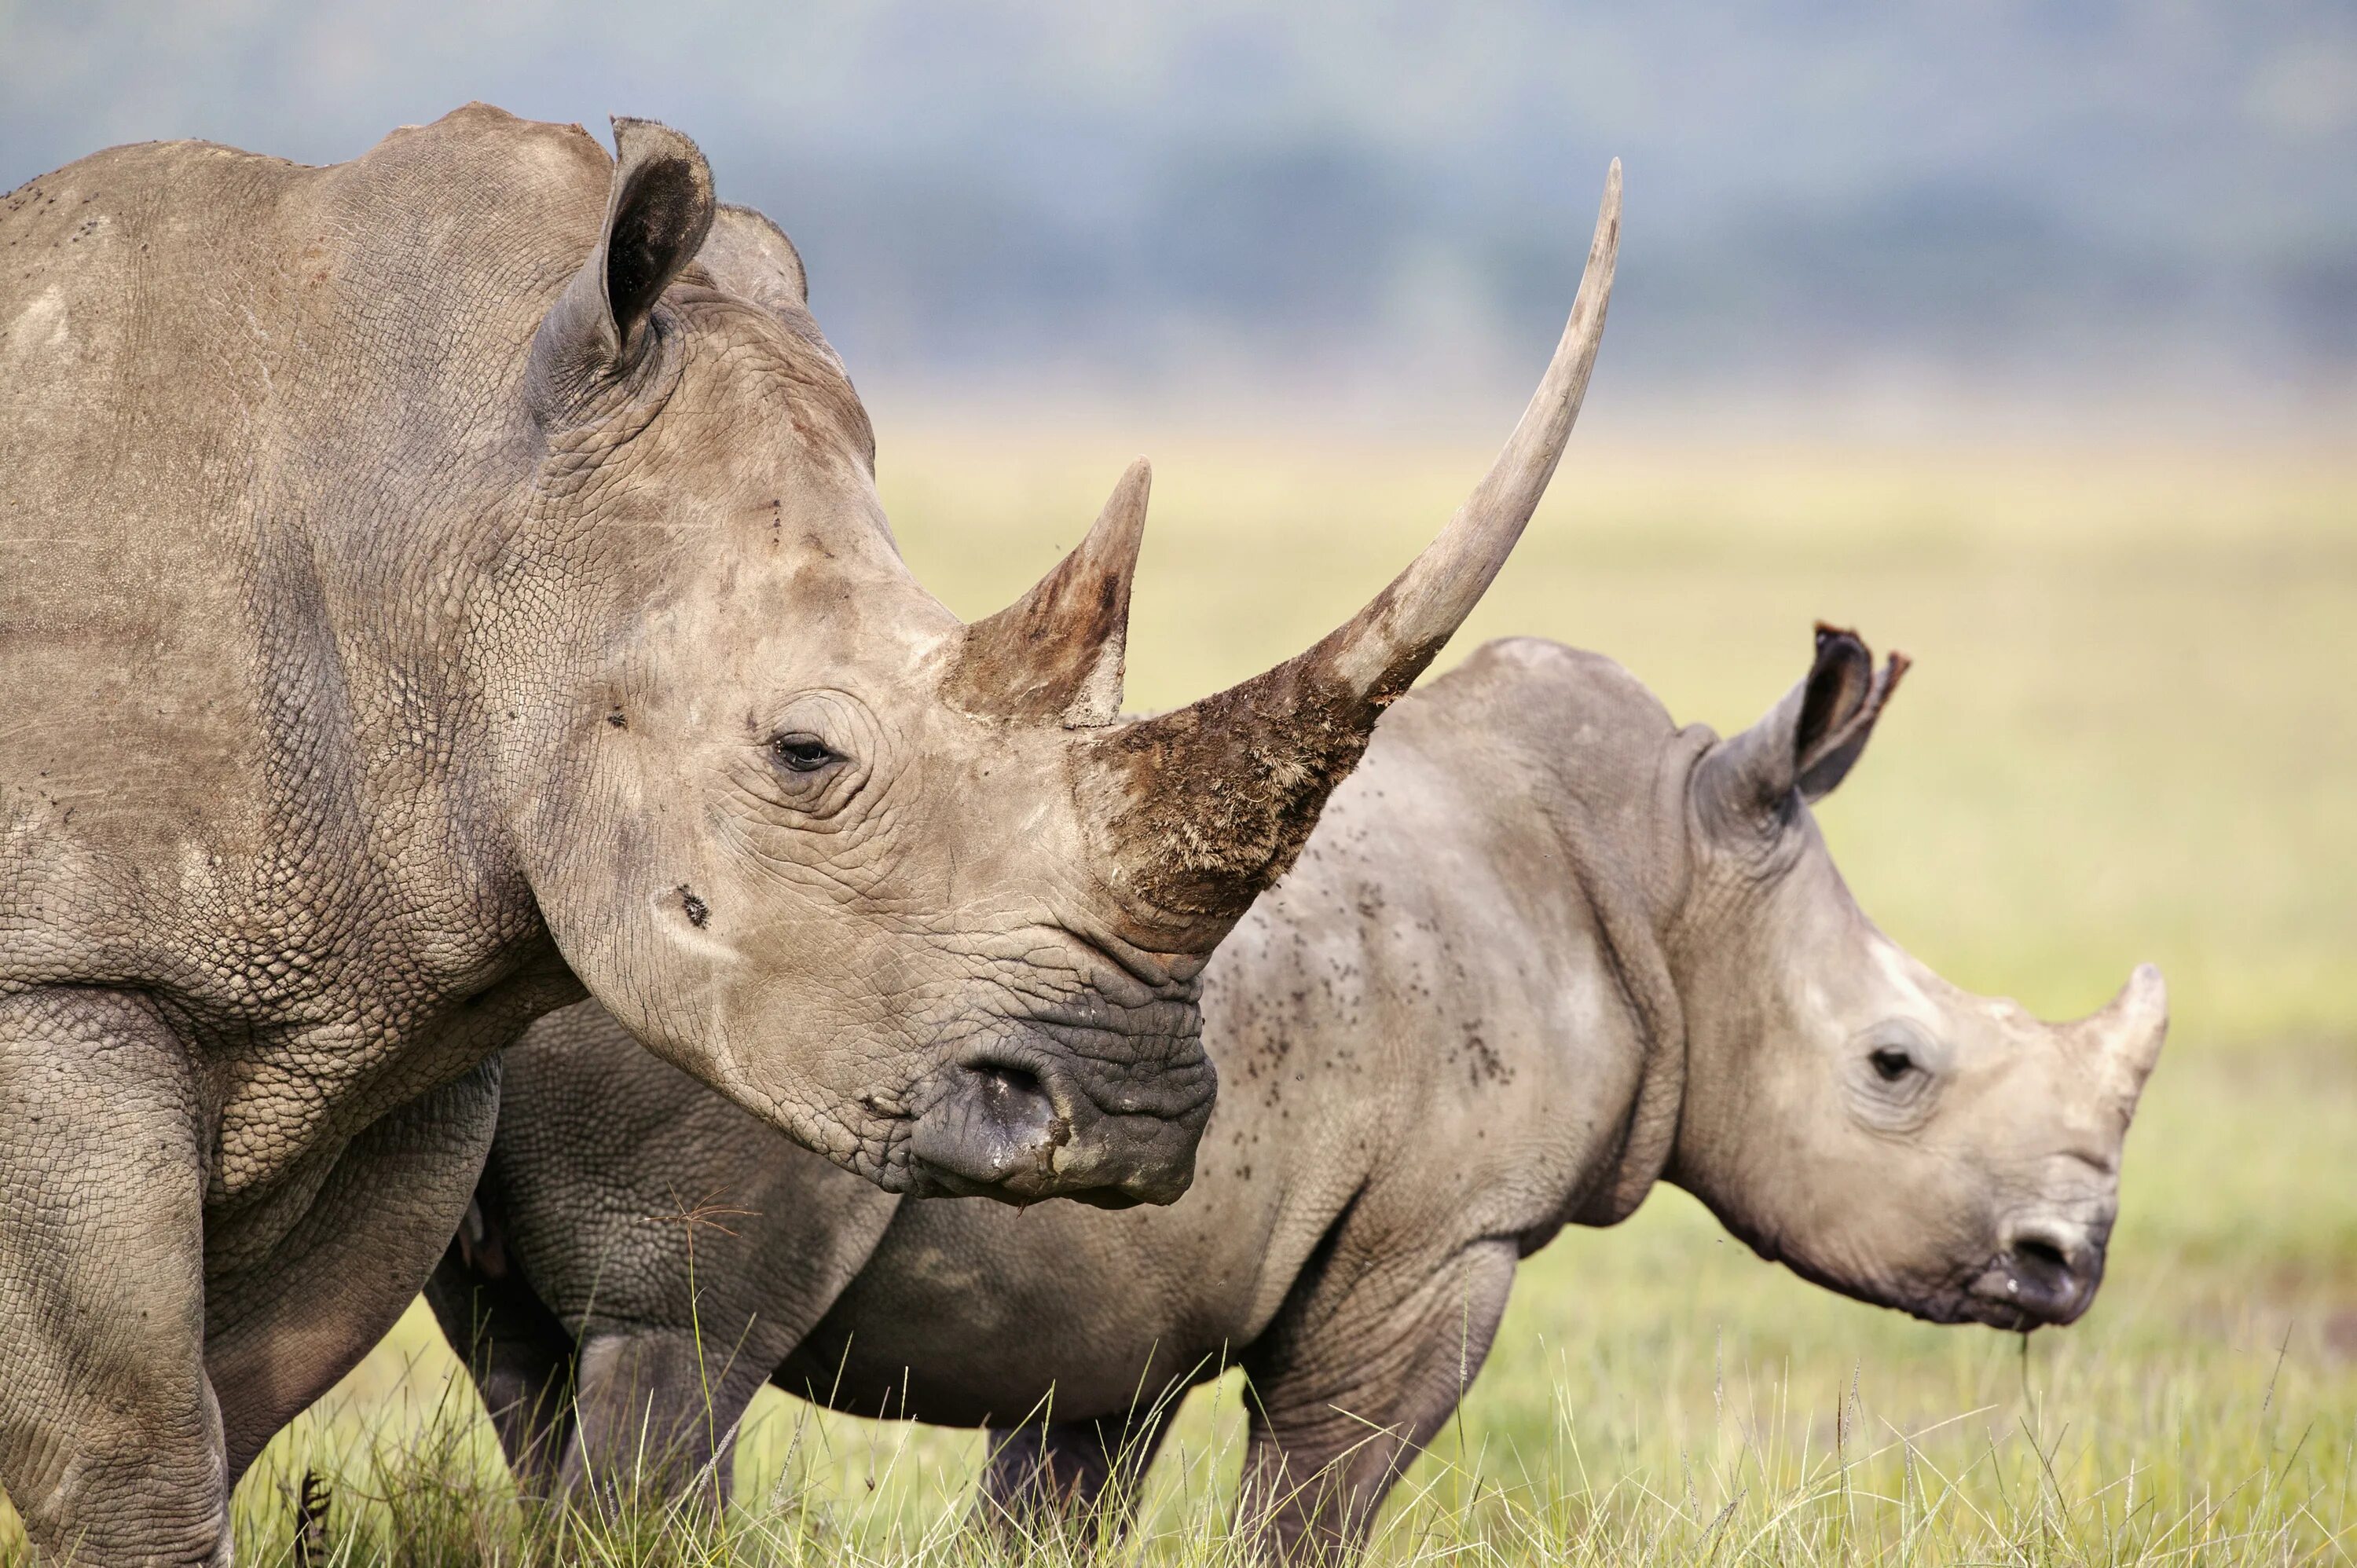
2130 734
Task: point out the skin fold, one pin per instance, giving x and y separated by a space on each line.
439 587
1545 949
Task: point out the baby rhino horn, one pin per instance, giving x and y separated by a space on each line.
2125 1035
1208 805
1055 653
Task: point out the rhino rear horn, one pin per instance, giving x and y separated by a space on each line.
658 210
1056 654
1208 804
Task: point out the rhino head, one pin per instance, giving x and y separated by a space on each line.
911 889
1847 1111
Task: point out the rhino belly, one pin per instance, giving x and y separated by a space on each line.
971 1314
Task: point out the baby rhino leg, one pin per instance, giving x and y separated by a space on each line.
516 1349
1049 1474
110 1440
1351 1383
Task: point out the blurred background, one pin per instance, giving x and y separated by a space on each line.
2098 212
2021 336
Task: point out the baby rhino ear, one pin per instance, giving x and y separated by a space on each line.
1841 700
1809 741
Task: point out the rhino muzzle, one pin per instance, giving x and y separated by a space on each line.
2046 1273
1021 1121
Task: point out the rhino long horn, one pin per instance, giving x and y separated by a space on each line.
1057 653
1208 804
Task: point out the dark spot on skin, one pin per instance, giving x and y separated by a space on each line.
617 720
696 911
1487 1064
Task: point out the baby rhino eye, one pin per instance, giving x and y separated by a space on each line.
802 753
1891 1063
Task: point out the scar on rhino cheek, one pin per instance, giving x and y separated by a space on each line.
696 911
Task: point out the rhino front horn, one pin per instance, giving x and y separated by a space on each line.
1055 653
1208 805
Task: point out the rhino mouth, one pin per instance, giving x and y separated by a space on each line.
1038 1114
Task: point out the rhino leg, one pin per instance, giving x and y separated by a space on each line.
282 1330
110 1439
516 1349
1045 1476
1363 1365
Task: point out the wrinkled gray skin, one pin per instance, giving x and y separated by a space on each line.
1545 949
439 584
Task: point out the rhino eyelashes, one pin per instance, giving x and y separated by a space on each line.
803 753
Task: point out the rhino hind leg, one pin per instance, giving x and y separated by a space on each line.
110 1438
1053 1476
1362 1367
516 1349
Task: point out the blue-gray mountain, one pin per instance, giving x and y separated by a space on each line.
2142 195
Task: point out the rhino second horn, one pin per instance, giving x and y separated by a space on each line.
1209 803
1057 653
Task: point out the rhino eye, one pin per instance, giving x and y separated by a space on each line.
802 753
1891 1063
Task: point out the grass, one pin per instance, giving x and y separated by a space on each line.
2131 733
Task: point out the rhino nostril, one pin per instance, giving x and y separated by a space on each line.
1001 1084
2037 1251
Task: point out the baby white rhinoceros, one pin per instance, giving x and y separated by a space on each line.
1545 949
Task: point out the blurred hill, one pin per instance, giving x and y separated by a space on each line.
2085 209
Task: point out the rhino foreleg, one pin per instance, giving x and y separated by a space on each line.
1053 1475
110 1439
1365 1363
282 1330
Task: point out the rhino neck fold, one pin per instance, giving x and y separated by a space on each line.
1634 923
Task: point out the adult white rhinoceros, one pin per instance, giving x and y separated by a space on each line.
1545 949
436 577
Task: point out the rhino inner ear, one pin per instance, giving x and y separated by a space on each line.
1808 741
658 210
1843 698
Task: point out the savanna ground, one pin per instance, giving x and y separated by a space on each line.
2131 733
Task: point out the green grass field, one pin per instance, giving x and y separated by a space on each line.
2131 733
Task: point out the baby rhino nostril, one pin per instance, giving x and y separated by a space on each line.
2040 1253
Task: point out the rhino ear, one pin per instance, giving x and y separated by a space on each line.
1809 741
748 254
658 211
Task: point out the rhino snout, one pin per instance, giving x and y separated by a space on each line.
2045 1271
1024 1130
